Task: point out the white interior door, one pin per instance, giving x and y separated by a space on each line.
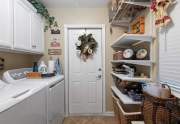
85 82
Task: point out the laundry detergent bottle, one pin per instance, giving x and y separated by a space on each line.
43 68
58 67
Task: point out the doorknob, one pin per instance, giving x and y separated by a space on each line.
99 76
99 69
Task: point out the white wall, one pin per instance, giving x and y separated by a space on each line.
93 16
87 16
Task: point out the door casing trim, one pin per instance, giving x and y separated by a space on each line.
66 61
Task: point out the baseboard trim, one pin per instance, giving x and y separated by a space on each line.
109 113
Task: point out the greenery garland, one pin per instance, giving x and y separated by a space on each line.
87 46
42 10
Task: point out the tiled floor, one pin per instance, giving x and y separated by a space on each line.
90 120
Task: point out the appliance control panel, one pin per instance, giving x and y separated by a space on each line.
18 74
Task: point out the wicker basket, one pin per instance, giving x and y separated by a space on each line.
124 117
155 111
175 117
174 109
118 55
116 109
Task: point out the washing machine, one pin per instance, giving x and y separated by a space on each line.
55 96
25 101
11 95
19 106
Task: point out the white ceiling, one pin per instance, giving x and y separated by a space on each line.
75 3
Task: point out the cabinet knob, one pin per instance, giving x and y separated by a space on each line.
33 46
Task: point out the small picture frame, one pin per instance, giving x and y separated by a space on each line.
55 42
54 51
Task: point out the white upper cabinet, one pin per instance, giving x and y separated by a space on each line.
22 25
21 28
6 23
28 28
37 33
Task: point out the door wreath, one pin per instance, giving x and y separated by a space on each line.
86 46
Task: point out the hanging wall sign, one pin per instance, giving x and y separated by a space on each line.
55 29
55 42
54 51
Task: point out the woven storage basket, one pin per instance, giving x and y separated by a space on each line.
118 55
155 111
174 109
116 109
175 117
124 117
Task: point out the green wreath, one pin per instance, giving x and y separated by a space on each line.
87 46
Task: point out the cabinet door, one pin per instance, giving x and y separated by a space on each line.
37 33
6 23
22 25
56 103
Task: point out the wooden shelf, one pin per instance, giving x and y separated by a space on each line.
136 62
130 39
124 98
126 78
127 11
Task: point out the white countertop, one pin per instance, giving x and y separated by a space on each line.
27 86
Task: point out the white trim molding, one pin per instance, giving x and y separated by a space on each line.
108 114
66 28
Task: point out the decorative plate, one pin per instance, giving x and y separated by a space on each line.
141 54
128 53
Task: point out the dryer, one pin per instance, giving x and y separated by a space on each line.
55 103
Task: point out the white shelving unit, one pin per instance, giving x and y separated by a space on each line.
124 98
130 39
135 62
144 4
121 17
135 79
